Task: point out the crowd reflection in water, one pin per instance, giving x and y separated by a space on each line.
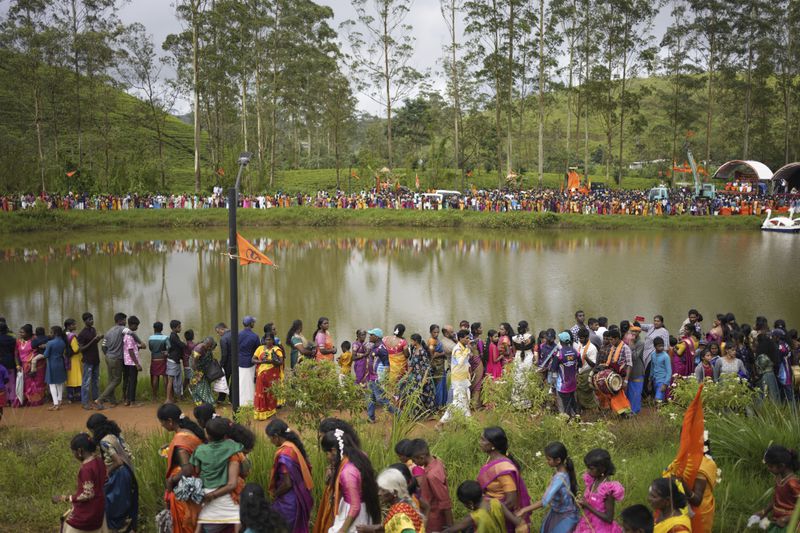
368 245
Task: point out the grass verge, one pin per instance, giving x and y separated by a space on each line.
36 220
37 464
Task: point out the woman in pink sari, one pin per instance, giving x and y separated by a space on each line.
33 377
500 477
504 345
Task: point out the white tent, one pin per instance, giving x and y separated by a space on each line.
748 168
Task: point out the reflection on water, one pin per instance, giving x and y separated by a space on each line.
370 279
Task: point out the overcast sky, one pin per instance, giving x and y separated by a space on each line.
158 16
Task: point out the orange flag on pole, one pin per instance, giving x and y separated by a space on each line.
692 447
72 173
416 181
249 253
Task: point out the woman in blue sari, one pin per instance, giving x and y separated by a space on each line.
121 489
291 483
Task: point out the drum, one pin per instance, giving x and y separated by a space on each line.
607 381
796 377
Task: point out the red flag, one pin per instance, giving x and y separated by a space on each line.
221 171
249 253
416 182
692 447
70 174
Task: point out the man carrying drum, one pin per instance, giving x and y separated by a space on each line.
610 378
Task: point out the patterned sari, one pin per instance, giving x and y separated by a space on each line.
34 378
419 378
184 514
401 517
295 505
264 402
492 478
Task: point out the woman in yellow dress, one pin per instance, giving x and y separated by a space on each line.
74 371
701 496
269 360
668 503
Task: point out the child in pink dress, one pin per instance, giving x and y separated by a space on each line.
600 495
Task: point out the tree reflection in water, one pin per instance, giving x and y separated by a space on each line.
381 277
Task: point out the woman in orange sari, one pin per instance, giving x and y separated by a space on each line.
269 360
188 436
324 341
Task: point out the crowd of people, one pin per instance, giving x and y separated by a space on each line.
208 490
585 201
590 365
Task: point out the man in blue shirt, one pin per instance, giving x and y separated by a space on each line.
661 370
248 343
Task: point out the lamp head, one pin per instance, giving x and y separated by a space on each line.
244 158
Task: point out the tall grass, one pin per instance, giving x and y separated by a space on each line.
36 464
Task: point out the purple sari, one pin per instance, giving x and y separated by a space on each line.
295 505
504 467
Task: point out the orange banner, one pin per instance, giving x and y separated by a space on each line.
691 450
249 253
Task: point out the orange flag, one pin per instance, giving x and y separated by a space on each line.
416 181
70 174
692 447
249 253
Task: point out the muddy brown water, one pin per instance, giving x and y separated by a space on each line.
377 278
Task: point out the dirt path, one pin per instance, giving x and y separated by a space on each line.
71 417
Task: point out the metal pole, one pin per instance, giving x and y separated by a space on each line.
232 250
233 199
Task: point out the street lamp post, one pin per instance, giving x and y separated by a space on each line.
233 199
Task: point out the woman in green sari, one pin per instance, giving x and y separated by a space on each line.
200 385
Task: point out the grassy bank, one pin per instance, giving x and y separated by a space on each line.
27 221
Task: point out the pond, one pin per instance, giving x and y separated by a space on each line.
371 278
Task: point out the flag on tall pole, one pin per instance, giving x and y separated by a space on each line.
416 181
249 253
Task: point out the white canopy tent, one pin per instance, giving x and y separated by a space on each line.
752 169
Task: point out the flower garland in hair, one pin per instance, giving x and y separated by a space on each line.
338 433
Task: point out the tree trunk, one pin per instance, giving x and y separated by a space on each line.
709 104
497 98
622 99
570 61
38 121
196 90
77 71
244 113
748 99
510 96
456 90
586 99
259 126
541 93
387 79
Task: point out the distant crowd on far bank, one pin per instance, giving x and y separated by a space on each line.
580 201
